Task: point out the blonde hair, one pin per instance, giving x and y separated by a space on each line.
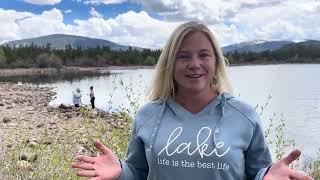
163 84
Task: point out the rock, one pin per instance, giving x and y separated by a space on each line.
83 141
30 112
47 142
24 165
65 106
6 119
40 125
9 107
50 109
1 104
52 123
94 113
81 150
33 144
69 116
30 157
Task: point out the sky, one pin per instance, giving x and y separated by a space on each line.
148 23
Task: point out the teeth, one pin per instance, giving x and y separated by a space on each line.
194 76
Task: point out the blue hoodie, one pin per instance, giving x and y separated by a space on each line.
223 141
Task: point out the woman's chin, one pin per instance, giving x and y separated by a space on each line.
196 90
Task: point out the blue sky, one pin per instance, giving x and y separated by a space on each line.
79 10
148 23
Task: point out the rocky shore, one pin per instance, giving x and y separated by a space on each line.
24 108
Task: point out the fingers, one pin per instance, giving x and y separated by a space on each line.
87 159
86 173
84 166
298 176
291 157
101 147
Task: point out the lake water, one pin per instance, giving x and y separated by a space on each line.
295 91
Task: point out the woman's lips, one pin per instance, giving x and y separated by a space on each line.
194 75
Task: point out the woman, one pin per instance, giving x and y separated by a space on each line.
194 128
77 98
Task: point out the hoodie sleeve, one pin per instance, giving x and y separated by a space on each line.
136 166
257 157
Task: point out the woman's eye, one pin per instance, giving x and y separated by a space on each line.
182 56
204 55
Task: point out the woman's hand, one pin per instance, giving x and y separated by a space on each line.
104 167
281 170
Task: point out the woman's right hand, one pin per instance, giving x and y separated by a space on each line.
104 167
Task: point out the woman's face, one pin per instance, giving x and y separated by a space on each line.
195 64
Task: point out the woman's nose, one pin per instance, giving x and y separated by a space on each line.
195 62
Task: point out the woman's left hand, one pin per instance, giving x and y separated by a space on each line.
281 170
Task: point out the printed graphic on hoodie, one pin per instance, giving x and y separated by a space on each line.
199 146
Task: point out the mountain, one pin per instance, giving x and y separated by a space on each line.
59 41
309 46
309 43
255 46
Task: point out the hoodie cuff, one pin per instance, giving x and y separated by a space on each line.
124 168
260 175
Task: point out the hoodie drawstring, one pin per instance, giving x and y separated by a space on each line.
156 126
219 123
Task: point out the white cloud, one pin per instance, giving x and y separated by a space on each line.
68 11
9 20
95 13
43 2
212 12
288 20
243 20
131 28
96 2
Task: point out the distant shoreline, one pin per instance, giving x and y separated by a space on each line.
103 70
53 71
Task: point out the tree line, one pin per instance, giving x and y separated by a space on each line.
43 57
292 53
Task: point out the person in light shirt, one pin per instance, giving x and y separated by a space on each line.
77 98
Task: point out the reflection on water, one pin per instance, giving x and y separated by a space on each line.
40 79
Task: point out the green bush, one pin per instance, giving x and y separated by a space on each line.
3 59
45 61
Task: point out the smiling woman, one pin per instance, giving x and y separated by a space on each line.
197 53
193 128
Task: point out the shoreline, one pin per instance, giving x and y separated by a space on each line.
104 70
25 108
65 70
